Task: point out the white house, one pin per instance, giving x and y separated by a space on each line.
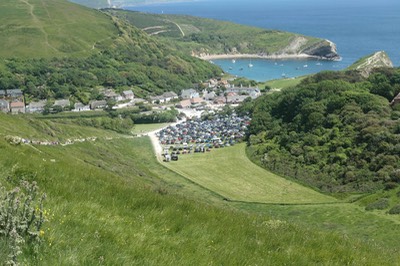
189 94
36 107
128 95
79 107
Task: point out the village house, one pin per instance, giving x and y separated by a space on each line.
2 94
184 104
235 99
164 98
224 83
14 93
79 107
252 92
396 100
209 96
111 94
128 95
17 107
170 95
97 104
189 94
4 106
220 100
36 107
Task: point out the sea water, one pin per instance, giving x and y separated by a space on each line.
358 27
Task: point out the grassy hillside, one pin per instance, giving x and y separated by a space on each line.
92 3
74 50
201 36
47 28
113 207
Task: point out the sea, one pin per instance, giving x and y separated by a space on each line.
358 28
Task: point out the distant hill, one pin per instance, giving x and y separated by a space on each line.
48 28
63 49
202 37
366 64
115 3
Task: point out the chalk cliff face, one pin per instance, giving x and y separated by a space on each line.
367 64
324 49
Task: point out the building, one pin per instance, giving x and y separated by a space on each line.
128 95
97 104
184 104
36 107
209 96
2 94
236 99
14 93
189 94
169 96
252 92
4 106
111 94
79 107
164 98
17 107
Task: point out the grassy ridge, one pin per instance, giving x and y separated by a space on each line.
108 204
230 173
47 28
199 35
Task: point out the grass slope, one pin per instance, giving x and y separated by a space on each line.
109 205
231 174
47 28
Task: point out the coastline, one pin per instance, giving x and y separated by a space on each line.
258 56
129 4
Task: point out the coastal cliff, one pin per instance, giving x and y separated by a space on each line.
211 39
376 60
300 48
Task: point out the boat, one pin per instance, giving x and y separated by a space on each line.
319 64
250 64
305 66
233 61
241 68
230 68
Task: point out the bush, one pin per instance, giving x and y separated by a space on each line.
390 185
395 210
21 219
380 204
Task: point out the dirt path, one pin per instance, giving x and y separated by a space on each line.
38 23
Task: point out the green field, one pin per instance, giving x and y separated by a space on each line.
229 173
283 83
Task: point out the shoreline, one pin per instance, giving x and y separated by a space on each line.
258 56
129 4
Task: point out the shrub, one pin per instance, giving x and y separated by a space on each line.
395 210
390 185
21 219
380 204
